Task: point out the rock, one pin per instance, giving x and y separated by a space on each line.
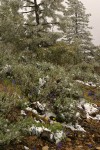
80 146
45 148
68 139
40 108
26 148
97 148
46 135
60 118
7 70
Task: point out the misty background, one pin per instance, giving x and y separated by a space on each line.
93 7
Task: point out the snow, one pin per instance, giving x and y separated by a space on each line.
52 137
29 109
87 83
77 127
58 136
7 68
97 117
77 114
94 118
91 57
41 81
49 114
82 102
87 51
23 112
40 106
89 108
46 129
34 111
38 130
26 148
8 130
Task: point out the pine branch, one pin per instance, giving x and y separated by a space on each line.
33 5
29 6
48 23
29 1
28 11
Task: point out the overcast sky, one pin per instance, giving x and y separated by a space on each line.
93 7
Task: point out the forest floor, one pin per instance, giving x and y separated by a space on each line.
75 140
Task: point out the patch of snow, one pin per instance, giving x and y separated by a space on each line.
87 83
90 84
23 112
97 117
23 56
39 130
47 77
87 51
39 92
26 103
8 130
89 108
91 57
77 127
77 114
26 148
37 121
29 109
79 81
36 130
34 111
58 136
41 82
39 105
49 114
51 137
7 68
45 129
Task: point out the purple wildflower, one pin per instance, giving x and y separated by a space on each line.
90 145
67 133
13 82
59 145
90 93
34 148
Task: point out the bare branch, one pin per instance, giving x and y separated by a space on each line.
29 6
47 23
29 1
28 11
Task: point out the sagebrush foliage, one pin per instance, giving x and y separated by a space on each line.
35 67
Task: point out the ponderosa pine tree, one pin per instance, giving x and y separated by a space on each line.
11 23
77 30
42 16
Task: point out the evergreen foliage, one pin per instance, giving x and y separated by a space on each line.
77 30
36 66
